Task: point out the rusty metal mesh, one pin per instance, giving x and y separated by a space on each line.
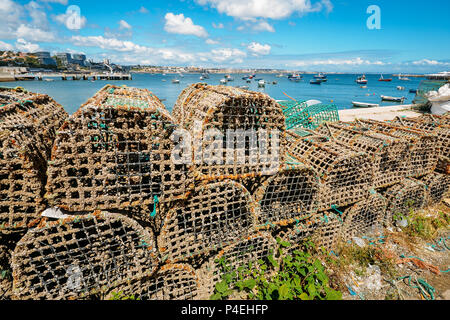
364 217
81 256
170 282
389 155
228 111
214 216
345 173
435 125
115 153
438 185
323 229
290 195
404 197
28 123
422 145
245 251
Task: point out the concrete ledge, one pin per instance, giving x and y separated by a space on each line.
379 113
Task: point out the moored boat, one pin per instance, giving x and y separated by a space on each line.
365 104
315 81
362 80
385 80
393 99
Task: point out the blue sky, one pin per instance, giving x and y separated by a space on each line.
311 35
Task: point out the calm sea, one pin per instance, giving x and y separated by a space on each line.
340 89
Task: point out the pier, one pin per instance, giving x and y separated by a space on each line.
71 76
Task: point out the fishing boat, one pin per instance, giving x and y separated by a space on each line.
393 99
202 78
363 87
362 80
261 84
385 80
176 81
402 78
205 75
223 81
412 90
295 77
280 75
243 87
320 76
249 81
315 82
400 88
229 78
365 104
274 82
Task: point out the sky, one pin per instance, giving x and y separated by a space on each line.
307 35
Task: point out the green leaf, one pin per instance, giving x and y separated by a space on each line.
304 296
312 290
216 296
221 286
249 284
283 291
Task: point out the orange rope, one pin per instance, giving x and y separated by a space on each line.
289 96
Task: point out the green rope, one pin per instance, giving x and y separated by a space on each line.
426 289
156 201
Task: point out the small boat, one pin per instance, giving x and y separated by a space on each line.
202 78
365 104
176 81
259 79
402 78
412 90
229 78
393 99
245 78
49 80
243 87
280 75
320 76
274 82
205 75
315 82
223 81
385 80
249 81
261 84
295 77
361 80
400 88
363 87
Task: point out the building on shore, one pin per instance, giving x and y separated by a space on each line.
45 58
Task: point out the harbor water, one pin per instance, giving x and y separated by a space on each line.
340 89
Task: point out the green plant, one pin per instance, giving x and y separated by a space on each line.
297 276
5 274
120 296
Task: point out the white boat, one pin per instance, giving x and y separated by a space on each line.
201 78
261 84
223 81
400 88
400 77
361 80
394 99
175 81
364 104
280 75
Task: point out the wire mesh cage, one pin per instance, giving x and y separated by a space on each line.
7 245
438 186
81 257
214 216
170 282
434 125
345 173
287 104
422 145
323 229
115 152
292 194
404 197
364 217
310 117
242 254
28 123
238 134
389 155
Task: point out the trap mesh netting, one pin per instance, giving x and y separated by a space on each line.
214 215
289 195
364 217
437 185
310 117
389 155
81 256
244 253
422 146
115 153
438 126
404 197
323 229
170 282
345 174
237 133
28 123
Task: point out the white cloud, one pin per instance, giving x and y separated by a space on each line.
124 25
349 62
25 46
38 16
6 46
218 26
143 10
180 25
279 9
427 62
226 55
263 26
64 2
34 34
257 49
211 41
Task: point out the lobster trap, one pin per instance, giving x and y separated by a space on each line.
366 216
389 155
28 123
345 173
434 125
214 216
323 229
438 186
422 146
170 282
244 253
81 257
115 153
292 194
404 197
310 117
237 134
